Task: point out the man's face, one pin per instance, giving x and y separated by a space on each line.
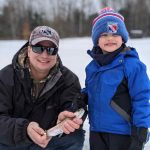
41 63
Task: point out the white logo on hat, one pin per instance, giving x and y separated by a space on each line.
112 27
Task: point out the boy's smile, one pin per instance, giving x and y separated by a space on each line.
109 42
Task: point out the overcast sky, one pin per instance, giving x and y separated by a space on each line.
1 2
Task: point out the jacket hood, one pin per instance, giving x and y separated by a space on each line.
21 67
21 52
130 52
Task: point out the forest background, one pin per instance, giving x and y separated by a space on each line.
71 18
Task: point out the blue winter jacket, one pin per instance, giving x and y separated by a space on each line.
101 85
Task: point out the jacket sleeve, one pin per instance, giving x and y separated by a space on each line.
139 88
71 97
12 130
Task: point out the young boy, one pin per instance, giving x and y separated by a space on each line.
117 87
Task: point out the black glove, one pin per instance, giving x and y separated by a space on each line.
139 136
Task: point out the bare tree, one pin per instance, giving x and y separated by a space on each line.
15 12
69 17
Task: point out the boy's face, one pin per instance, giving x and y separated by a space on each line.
109 42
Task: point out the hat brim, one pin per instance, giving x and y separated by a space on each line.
37 40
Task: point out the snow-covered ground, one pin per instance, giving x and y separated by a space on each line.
73 54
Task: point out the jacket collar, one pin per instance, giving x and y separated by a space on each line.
104 59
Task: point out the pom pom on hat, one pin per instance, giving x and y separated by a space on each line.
109 21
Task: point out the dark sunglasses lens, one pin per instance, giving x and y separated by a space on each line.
52 50
40 49
37 49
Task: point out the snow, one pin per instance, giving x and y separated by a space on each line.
73 54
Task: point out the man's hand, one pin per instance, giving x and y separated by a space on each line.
37 134
70 121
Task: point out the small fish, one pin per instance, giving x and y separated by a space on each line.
56 130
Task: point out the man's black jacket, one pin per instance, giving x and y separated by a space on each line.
17 107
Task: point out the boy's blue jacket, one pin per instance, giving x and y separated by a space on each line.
101 85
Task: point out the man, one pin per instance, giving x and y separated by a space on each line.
36 93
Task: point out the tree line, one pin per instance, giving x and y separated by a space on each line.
18 20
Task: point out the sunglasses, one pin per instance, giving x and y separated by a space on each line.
40 49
